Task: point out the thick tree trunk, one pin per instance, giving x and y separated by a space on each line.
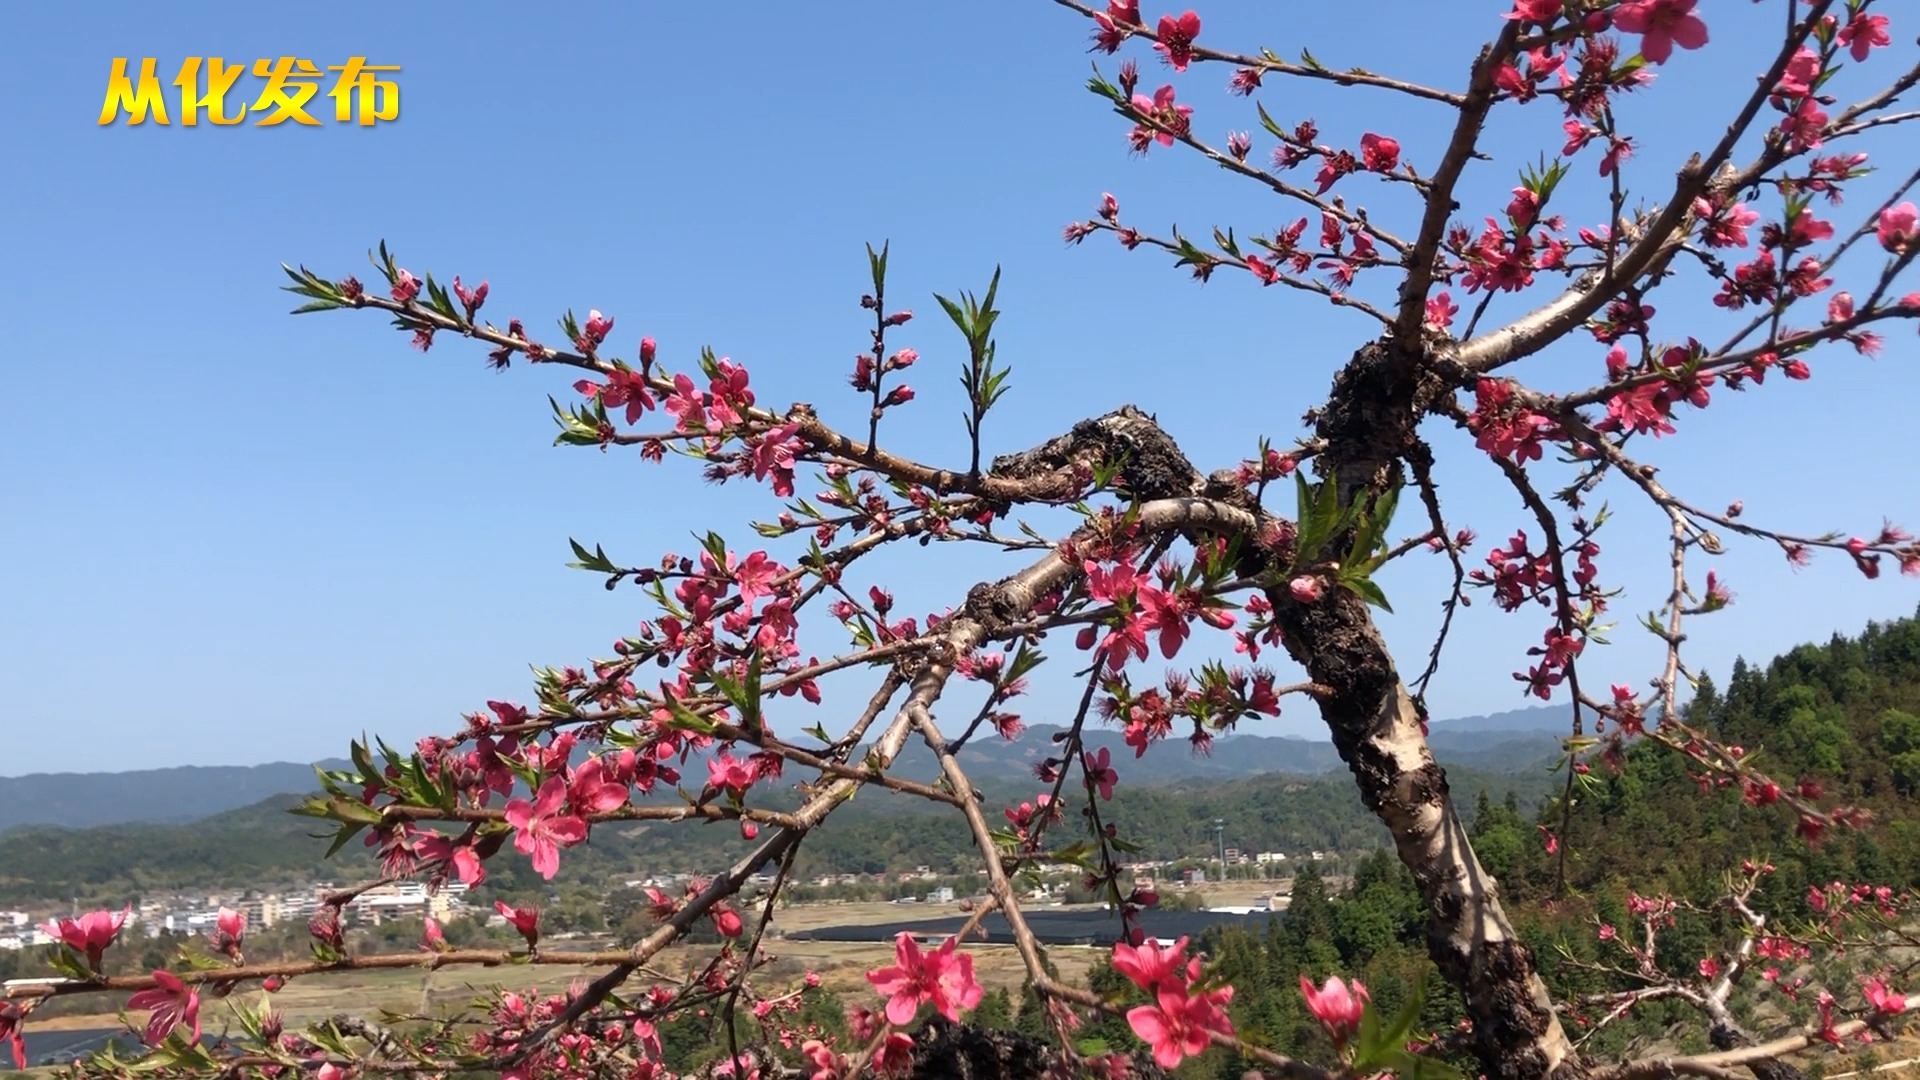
1369 426
1376 729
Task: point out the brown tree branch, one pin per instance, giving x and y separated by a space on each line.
1440 203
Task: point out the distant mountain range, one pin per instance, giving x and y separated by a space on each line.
1547 718
1501 743
988 759
155 796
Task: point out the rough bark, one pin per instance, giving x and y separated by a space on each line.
1151 464
1369 426
1376 729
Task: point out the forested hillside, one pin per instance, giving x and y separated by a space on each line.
263 844
1277 793
1845 715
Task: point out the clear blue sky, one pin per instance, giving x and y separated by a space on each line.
235 536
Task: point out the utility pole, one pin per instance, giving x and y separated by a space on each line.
1220 841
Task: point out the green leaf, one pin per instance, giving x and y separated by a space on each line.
596 560
1369 591
1326 507
574 431
328 1037
1380 1047
1371 536
1079 853
1312 528
1099 85
250 1020
71 964
352 811
1401 1029
384 264
1382 513
993 287
346 833
438 298
686 719
1268 122
957 314
363 760
314 807
730 689
750 711
394 760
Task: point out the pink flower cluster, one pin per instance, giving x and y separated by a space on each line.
1184 1018
942 978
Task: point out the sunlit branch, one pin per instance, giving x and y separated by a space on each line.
1440 205
1229 162
1289 280
1270 63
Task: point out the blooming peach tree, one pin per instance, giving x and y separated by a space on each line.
1737 270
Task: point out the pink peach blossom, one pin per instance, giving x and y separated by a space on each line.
943 977
542 828
1336 1005
1661 24
171 1003
90 934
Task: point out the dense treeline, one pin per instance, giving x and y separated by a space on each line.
1844 715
